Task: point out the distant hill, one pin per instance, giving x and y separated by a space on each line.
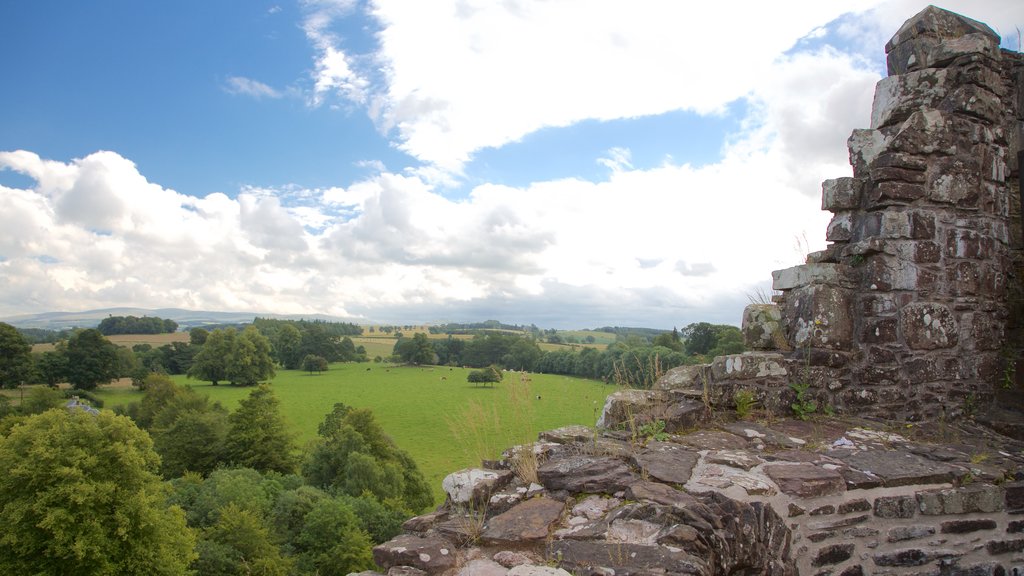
186 319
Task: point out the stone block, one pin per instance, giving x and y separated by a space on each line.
965 500
911 46
762 328
591 474
808 274
926 253
529 521
892 193
819 316
880 331
961 243
1015 527
748 366
642 406
431 553
859 505
903 533
840 229
967 526
864 146
833 554
1004 546
841 194
805 480
1014 496
913 557
928 326
684 378
974 101
474 484
954 180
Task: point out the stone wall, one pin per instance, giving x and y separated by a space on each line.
907 313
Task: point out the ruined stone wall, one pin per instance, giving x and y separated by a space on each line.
905 314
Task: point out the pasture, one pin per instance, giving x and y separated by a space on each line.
433 413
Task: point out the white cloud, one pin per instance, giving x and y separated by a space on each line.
249 87
660 246
463 75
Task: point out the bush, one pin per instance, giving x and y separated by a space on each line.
487 375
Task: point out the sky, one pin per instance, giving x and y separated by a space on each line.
567 163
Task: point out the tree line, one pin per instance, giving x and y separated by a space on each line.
634 360
112 325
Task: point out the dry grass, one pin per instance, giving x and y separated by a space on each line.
525 462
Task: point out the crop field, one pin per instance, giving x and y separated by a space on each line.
433 413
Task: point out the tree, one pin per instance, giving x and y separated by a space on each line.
313 363
354 456
79 495
258 437
288 346
52 367
91 359
249 361
417 350
15 357
488 375
211 361
669 340
198 336
239 543
700 338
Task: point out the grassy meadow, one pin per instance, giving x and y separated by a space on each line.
433 413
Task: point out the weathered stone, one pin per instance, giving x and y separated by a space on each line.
915 44
895 506
734 458
474 484
805 480
841 194
568 434
1014 496
761 328
806 275
424 522
667 462
428 553
820 316
1015 527
510 559
833 554
913 557
531 520
683 377
899 468
620 558
405 571
1004 546
714 440
823 510
901 533
530 570
965 526
748 366
980 498
838 523
659 493
593 474
482 567
640 406
859 505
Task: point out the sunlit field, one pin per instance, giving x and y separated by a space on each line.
443 421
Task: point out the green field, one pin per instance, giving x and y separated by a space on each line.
443 421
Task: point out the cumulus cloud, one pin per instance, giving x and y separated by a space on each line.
665 245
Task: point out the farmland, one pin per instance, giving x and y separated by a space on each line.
444 422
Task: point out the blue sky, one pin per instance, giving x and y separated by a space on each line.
569 163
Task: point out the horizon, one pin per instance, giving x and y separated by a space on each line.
562 165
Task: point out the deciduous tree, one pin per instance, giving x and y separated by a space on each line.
79 495
15 357
258 437
91 359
